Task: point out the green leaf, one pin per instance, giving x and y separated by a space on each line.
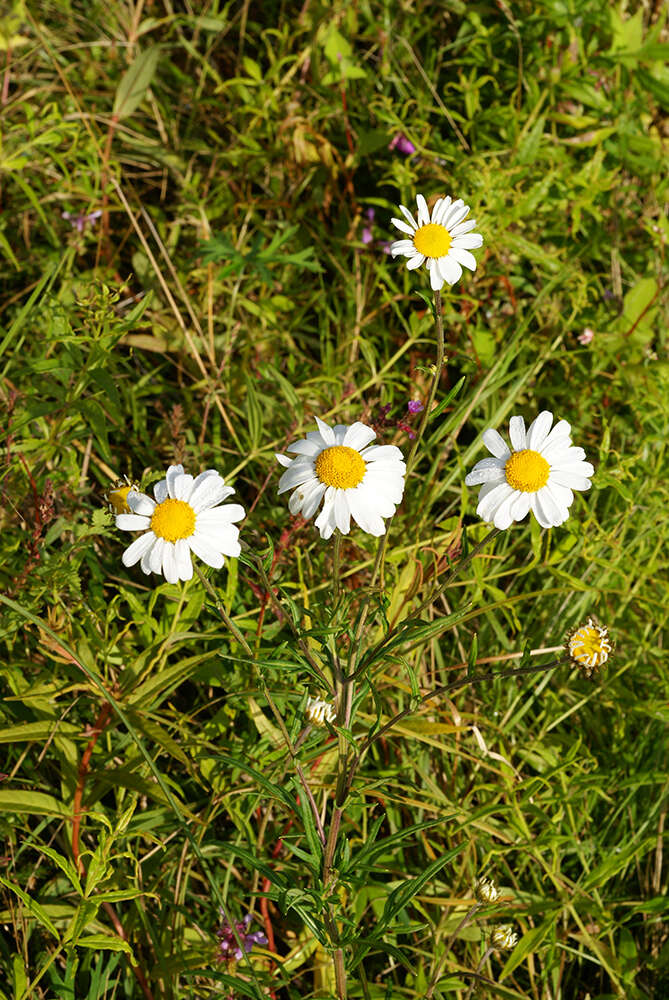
64 864
106 943
527 945
32 803
135 82
403 894
34 908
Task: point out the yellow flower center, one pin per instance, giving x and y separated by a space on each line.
173 519
341 467
527 471
590 645
118 498
432 240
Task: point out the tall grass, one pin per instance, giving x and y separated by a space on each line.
157 765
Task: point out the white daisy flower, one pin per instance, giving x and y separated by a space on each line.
353 480
184 518
539 473
442 241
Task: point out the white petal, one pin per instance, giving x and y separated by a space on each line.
538 430
365 515
547 510
495 443
313 496
183 559
570 479
376 499
463 257
183 486
488 470
170 571
436 208
416 261
139 503
436 278
135 551
560 432
404 247
156 556
132 522
574 468
283 460
403 227
456 214
489 503
468 242
325 521
382 453
517 433
423 212
438 216
209 492
503 516
160 491
358 436
205 551
562 495
220 516
462 228
449 269
409 217
342 512
325 431
520 506
295 477
171 477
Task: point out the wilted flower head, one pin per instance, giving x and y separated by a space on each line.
319 711
402 144
227 942
117 496
485 890
589 646
503 937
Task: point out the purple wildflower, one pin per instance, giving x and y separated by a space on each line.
367 231
402 144
227 942
80 221
415 406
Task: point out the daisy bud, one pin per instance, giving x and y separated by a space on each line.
485 890
319 711
503 938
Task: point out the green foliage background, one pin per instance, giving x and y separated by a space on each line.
224 298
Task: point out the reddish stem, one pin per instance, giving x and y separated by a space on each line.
100 723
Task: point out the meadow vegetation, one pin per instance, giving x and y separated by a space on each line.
196 201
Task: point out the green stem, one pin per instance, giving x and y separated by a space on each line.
447 947
268 697
383 541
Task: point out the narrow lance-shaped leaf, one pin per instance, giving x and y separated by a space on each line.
135 82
